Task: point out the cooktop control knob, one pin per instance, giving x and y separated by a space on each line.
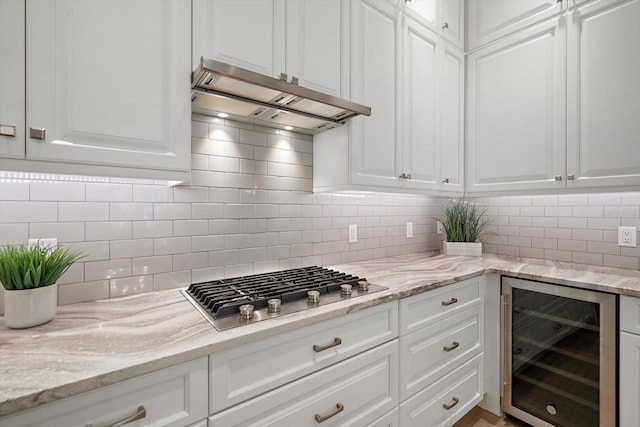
363 285
273 305
246 311
313 297
345 289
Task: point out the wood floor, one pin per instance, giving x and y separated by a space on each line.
478 417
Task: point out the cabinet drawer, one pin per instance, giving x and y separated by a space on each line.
630 314
421 310
243 372
459 391
175 396
357 391
432 352
390 419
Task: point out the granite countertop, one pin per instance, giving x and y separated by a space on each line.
90 345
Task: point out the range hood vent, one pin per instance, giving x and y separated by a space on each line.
224 90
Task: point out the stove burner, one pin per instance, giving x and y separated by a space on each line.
232 302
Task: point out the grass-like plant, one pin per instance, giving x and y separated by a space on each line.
463 220
35 267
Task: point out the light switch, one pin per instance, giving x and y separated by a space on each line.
409 229
353 233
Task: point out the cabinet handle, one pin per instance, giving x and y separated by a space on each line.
446 180
37 133
408 176
403 175
294 80
318 348
445 26
7 130
451 301
452 404
142 413
283 76
558 177
571 177
323 418
453 346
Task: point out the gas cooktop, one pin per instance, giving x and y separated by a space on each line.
238 301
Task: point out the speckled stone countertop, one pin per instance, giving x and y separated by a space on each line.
90 345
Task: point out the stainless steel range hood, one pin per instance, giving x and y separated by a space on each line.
224 90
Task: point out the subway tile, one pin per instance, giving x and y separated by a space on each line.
63 231
108 192
14 190
544 222
222 258
171 245
266 211
199 162
252 255
81 292
603 223
621 261
83 211
238 270
579 234
93 251
74 274
190 194
207 243
278 169
224 195
508 211
238 180
99 270
130 211
163 211
630 198
223 133
150 229
322 223
199 129
603 248
520 201
207 178
569 222
224 226
130 286
520 221
152 193
224 164
15 212
587 258
207 274
558 233
207 147
506 230
130 248
239 211
150 265
509 250
573 199
14 234
588 211
610 236
552 211
252 138
531 252
190 227
544 201
114 230
544 243
57 191
621 211
519 241
254 167
242 151
572 245
265 239
190 261
611 199
557 255
532 211
238 241
207 210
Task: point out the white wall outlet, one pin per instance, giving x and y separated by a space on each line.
409 229
439 227
627 236
50 243
353 233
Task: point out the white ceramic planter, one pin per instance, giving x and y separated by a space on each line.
30 307
462 248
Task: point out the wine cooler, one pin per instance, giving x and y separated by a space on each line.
559 354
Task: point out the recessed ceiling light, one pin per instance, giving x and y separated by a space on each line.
288 128
223 115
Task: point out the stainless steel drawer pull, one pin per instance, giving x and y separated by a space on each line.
453 346
142 413
7 130
318 348
571 177
451 301
452 404
323 418
35 133
445 26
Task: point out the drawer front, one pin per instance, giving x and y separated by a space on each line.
447 400
630 314
421 310
175 396
241 373
390 419
352 393
432 352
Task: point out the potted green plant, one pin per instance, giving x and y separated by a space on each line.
29 277
463 222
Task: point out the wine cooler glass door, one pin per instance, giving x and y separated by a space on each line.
560 346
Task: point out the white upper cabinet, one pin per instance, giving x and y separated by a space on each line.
107 88
604 94
490 20
451 175
11 78
445 17
516 111
299 38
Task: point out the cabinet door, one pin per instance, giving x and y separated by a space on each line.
424 11
375 68
516 109
603 94
630 381
419 145
12 78
452 21
246 33
109 82
490 20
314 44
452 120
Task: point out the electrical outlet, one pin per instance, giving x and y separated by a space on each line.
353 233
439 227
627 236
409 229
50 243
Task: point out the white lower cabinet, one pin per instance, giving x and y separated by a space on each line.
448 399
173 397
354 392
390 419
